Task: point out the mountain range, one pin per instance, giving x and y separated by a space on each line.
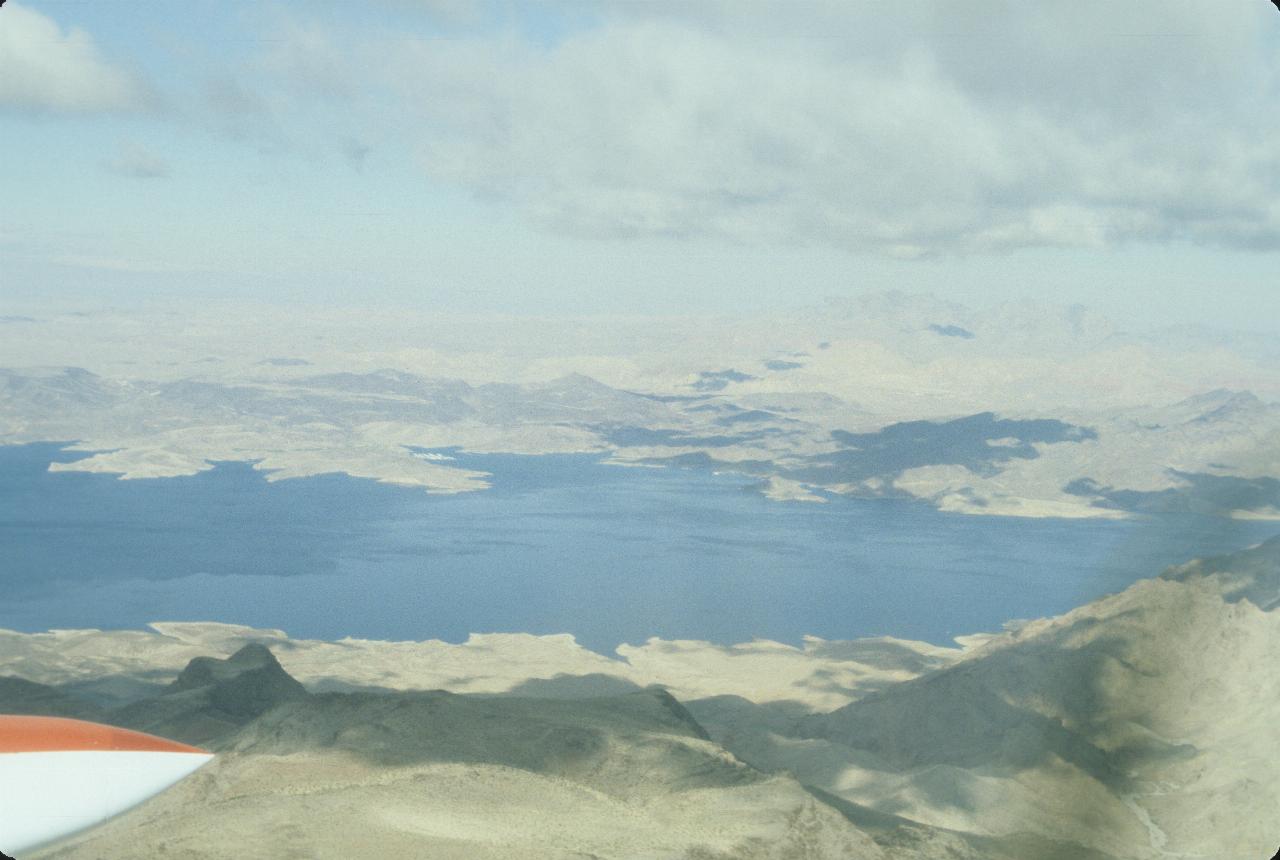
1141 725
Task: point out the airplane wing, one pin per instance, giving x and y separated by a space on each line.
58 776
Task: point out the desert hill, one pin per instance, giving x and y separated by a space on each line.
1141 725
20 696
434 774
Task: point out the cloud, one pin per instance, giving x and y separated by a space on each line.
906 129
449 12
244 113
951 331
228 97
44 69
136 162
117 264
355 152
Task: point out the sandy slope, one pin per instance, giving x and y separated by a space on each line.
439 775
1142 725
823 674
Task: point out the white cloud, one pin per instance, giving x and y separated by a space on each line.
43 68
910 129
905 128
117 264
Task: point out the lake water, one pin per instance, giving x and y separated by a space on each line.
561 543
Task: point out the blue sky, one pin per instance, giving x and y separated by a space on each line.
565 157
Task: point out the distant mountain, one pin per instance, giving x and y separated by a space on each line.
1209 407
538 735
212 697
20 696
869 396
54 388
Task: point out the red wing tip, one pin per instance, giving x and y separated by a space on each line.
60 734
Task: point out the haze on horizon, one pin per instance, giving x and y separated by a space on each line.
654 158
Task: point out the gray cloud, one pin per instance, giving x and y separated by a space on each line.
136 162
242 113
355 152
228 97
909 129
951 331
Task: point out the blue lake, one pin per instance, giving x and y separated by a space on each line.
561 543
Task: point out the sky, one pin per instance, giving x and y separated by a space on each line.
657 157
